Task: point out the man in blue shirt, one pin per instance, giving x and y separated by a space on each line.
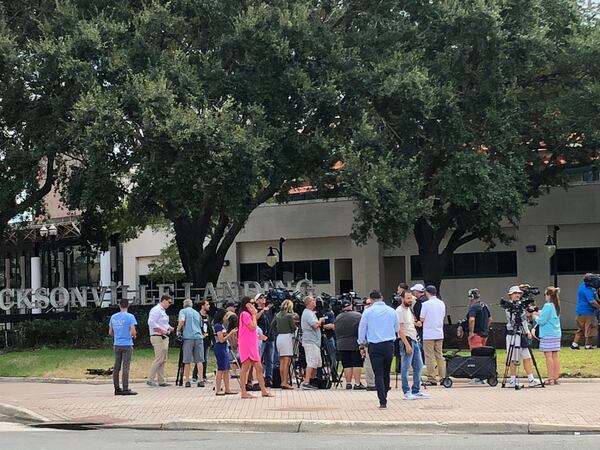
378 329
122 327
189 326
587 324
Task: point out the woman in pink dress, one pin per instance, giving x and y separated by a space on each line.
248 347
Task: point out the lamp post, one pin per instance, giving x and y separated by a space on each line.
550 246
272 259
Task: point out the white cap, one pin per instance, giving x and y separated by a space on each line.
418 287
514 289
259 295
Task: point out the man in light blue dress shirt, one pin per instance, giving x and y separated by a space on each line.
378 330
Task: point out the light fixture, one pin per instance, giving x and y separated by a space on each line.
52 231
271 258
550 246
44 231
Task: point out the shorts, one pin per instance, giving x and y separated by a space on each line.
350 359
192 347
518 353
285 344
313 355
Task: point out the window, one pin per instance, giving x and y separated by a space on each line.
466 265
576 260
317 270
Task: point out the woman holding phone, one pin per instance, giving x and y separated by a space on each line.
248 347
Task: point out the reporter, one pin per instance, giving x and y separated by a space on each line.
548 321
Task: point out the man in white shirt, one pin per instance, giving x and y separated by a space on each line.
160 329
433 313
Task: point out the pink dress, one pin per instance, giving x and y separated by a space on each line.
247 339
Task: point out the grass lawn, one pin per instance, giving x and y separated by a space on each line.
72 363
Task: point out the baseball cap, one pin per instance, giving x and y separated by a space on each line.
514 289
259 295
229 304
418 287
346 303
431 289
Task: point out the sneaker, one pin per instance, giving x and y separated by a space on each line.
533 383
309 387
128 392
574 346
382 405
165 384
430 383
477 381
371 388
194 380
513 384
152 383
118 391
201 384
420 395
409 396
358 387
589 347
188 384
348 386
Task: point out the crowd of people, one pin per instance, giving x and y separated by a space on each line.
264 347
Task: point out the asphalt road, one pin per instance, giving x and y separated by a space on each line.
17 437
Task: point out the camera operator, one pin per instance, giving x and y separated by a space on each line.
520 353
311 340
346 326
329 330
585 313
397 297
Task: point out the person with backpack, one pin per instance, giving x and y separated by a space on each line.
479 319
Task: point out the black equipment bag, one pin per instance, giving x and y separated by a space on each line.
483 351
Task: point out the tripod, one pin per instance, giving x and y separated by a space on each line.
514 349
297 358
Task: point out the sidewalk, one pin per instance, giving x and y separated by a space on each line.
570 406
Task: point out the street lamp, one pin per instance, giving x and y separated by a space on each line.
550 247
272 259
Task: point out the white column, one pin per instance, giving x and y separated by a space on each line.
36 278
105 276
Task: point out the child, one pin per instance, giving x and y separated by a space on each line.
221 353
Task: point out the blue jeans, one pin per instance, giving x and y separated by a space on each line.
267 359
415 361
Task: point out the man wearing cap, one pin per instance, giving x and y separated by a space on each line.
418 291
432 316
346 329
264 317
190 328
378 329
479 319
519 353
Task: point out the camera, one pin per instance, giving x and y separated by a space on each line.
592 280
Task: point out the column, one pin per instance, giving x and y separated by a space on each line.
105 276
36 278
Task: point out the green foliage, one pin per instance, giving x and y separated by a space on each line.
455 100
167 267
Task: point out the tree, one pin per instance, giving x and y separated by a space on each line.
202 111
167 267
467 113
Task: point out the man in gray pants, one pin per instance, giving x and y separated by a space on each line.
122 328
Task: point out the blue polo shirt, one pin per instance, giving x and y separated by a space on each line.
585 296
121 323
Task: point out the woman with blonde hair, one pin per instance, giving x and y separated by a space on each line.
548 321
283 324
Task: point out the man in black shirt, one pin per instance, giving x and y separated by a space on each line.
418 291
479 320
207 336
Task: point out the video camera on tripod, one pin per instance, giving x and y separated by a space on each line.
525 304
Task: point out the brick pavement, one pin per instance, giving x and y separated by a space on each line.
570 403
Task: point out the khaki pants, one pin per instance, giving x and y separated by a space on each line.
369 375
161 351
587 326
433 355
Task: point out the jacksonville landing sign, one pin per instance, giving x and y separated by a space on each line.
84 296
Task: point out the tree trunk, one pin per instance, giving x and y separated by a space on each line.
433 266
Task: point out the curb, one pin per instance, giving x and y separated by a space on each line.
359 427
21 414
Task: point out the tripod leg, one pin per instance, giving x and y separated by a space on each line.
509 355
537 371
